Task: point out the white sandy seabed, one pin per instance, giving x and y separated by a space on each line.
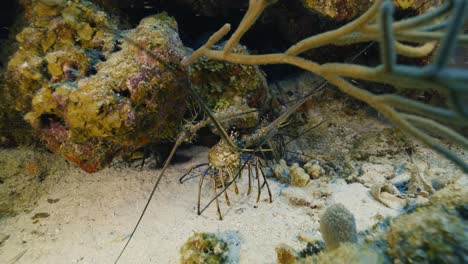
95 213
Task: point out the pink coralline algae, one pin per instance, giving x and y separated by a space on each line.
91 92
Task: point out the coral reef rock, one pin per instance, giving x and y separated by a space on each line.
281 171
285 254
339 10
223 84
90 91
298 176
314 169
347 253
204 248
435 233
346 10
388 195
420 6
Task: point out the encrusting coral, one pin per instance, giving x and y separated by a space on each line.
345 10
298 176
89 98
420 6
314 169
347 253
434 233
91 92
220 84
339 10
285 254
203 248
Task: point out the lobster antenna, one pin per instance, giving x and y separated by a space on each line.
179 141
218 126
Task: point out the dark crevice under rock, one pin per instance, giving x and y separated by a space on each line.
8 14
197 20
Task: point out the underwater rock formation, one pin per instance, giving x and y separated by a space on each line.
14 131
433 233
285 254
89 98
203 248
281 171
223 84
298 175
346 10
91 91
338 10
199 17
420 6
64 29
314 169
345 253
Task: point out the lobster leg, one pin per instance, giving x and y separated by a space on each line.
200 184
213 179
259 164
259 192
249 167
224 186
236 190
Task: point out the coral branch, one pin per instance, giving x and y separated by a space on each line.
330 36
387 48
450 39
415 52
211 41
437 128
377 25
256 7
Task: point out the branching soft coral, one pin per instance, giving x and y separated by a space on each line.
412 37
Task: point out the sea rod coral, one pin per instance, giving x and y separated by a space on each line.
376 24
413 37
